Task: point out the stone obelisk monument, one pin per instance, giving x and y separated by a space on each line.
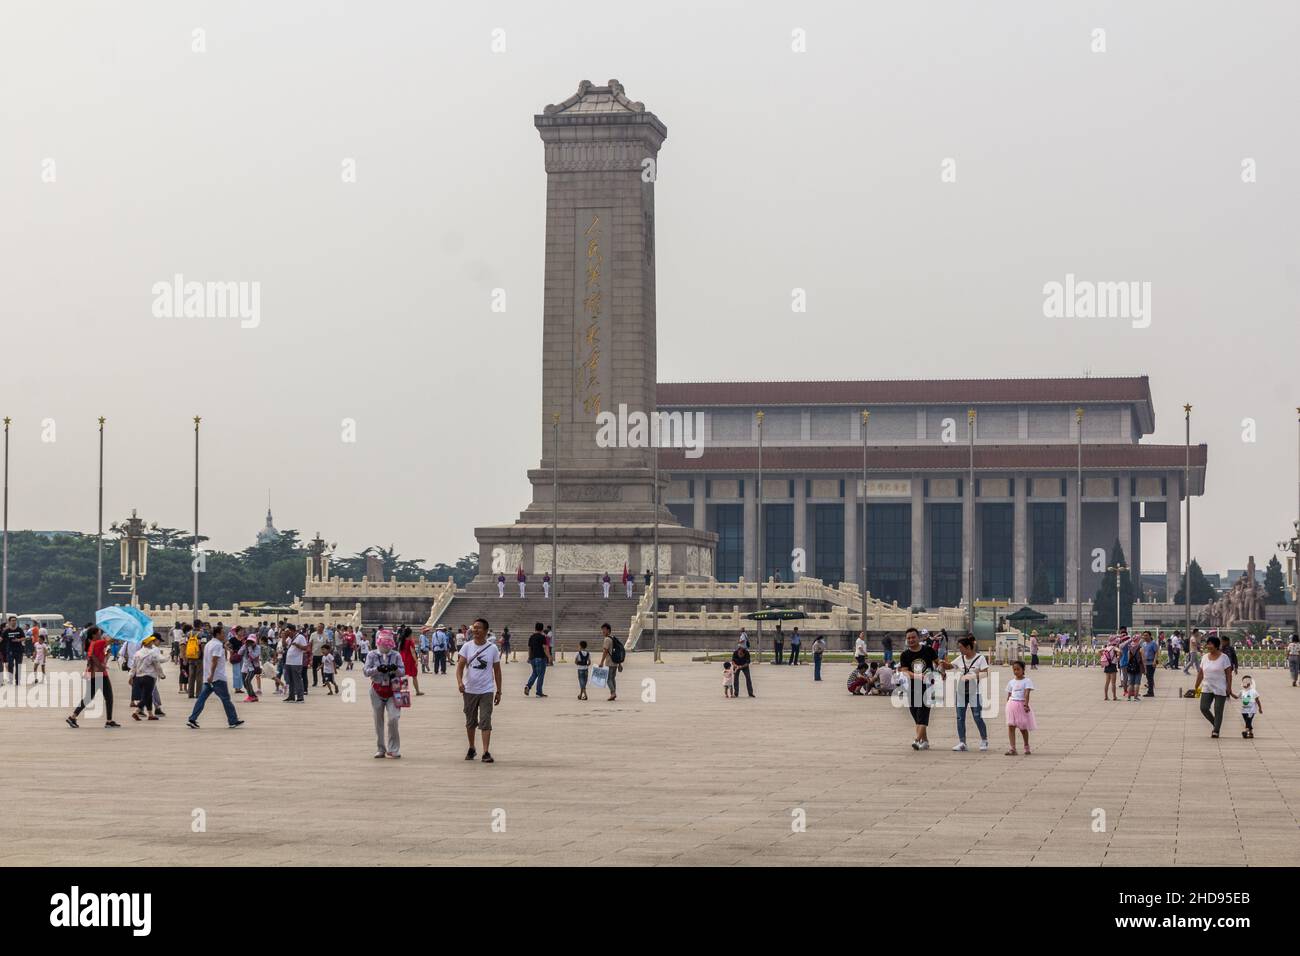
598 353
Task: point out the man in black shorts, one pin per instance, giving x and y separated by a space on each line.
917 665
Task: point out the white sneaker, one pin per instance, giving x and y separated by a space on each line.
960 748
984 745
924 745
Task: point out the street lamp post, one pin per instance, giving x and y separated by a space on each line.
654 581
134 548
1078 528
969 524
759 549
862 587
1119 567
1293 546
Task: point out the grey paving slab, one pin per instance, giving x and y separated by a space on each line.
671 774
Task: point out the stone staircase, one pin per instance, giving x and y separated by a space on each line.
579 610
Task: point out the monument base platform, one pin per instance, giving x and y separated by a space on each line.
594 550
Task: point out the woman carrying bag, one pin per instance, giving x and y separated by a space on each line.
385 669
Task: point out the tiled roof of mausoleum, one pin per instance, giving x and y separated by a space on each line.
975 391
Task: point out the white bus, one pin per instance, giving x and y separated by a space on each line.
51 624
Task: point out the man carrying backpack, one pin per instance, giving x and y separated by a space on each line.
611 656
193 650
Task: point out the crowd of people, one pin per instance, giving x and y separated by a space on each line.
926 662
213 660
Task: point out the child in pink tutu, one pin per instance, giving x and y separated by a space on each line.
1019 716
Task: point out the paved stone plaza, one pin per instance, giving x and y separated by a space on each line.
688 779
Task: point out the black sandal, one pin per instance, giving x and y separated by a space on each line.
487 757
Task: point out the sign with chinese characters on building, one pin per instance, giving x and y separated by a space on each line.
593 302
886 488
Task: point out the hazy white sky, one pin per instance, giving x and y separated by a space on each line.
818 170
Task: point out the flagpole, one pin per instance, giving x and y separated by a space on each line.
4 575
99 534
759 550
555 521
1187 490
654 583
195 559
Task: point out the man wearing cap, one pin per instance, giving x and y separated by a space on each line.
146 671
440 650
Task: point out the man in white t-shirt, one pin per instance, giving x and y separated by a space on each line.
860 649
295 665
478 677
214 679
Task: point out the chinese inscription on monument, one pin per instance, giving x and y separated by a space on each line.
591 325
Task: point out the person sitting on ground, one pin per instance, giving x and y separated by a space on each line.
885 680
873 676
859 683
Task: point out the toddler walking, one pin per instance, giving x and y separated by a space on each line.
1250 705
727 678
327 666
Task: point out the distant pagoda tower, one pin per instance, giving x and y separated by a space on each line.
268 535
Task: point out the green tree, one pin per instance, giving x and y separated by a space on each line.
1103 603
1202 592
462 572
1274 582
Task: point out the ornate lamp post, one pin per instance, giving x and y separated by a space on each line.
1119 568
1078 528
654 583
968 526
1293 571
133 550
319 550
862 587
555 521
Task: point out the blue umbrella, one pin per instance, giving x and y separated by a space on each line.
124 623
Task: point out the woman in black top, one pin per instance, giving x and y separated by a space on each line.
740 664
917 663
